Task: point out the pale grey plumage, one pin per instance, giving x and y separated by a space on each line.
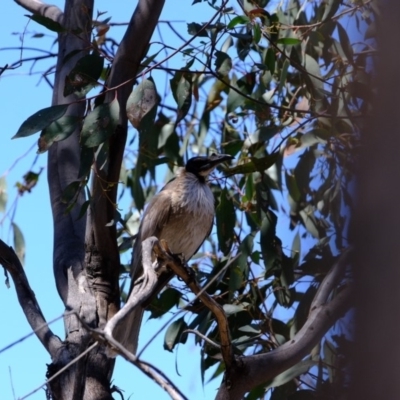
181 213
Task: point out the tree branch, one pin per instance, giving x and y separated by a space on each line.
43 9
151 371
255 370
101 237
27 300
331 280
222 321
142 290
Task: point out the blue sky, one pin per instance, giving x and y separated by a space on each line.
22 95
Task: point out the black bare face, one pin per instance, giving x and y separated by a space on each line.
201 166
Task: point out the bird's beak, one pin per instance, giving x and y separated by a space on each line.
214 160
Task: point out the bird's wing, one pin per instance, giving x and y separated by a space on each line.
205 237
156 217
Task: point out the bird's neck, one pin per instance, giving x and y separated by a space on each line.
193 193
199 177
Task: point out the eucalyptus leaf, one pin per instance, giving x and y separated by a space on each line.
41 120
174 335
100 124
3 194
58 130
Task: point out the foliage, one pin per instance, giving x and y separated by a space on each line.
281 88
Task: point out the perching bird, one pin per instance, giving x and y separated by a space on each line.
182 214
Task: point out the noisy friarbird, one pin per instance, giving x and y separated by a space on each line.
182 214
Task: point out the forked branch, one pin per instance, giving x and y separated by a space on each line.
9 260
258 369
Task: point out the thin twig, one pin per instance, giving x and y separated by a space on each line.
205 338
152 372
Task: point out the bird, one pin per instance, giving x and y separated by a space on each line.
182 214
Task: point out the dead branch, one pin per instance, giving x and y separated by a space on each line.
27 299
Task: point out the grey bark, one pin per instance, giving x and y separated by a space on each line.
251 371
86 258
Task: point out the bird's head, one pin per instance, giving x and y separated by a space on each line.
202 166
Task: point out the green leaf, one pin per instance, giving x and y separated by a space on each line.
256 33
225 220
296 250
181 87
282 78
255 164
238 20
83 209
268 241
239 269
41 120
266 133
331 6
171 148
270 59
301 368
58 130
288 41
195 29
137 190
100 124
233 147
85 161
244 85
174 335
84 76
3 193
70 192
223 63
345 42
19 243
141 101
47 23
309 221
162 304
314 81
293 189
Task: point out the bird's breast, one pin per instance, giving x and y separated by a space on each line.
190 219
